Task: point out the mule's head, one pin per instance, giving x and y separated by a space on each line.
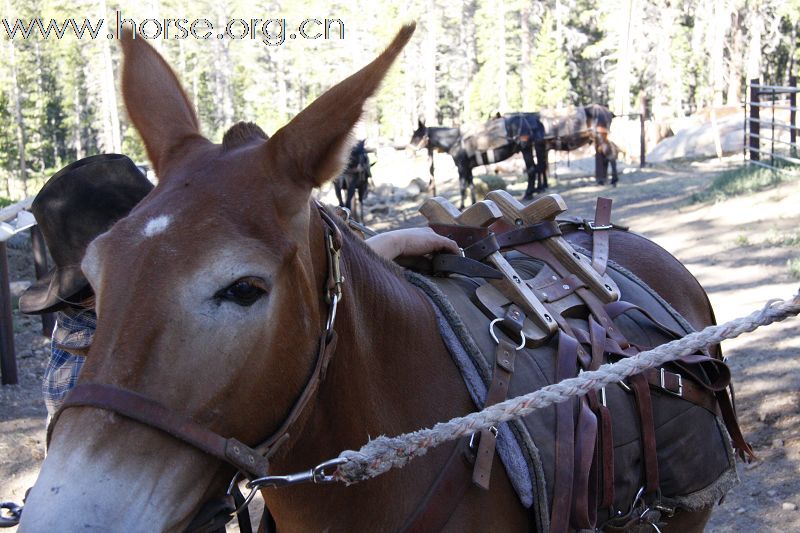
419 139
209 299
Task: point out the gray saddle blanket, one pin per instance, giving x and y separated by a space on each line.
692 472
563 123
487 137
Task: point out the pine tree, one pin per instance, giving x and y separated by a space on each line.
549 84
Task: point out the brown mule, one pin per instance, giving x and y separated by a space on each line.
211 302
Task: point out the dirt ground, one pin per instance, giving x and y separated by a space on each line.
738 249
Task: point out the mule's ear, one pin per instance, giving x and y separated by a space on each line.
313 147
156 103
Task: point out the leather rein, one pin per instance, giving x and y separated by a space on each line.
253 462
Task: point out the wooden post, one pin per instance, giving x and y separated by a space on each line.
642 147
755 127
793 116
40 265
8 359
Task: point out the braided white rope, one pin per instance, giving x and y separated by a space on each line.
384 453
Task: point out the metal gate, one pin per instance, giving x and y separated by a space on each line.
770 126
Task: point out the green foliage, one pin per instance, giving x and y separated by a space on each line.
492 182
742 240
783 239
794 267
743 180
549 85
479 56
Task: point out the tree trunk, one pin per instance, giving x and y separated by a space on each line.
502 82
429 62
754 46
77 133
716 49
111 141
735 62
21 134
525 55
622 84
467 41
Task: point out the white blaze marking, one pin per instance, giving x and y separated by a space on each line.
157 225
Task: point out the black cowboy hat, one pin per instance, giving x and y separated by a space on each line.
77 204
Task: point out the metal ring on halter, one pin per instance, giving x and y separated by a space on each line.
494 336
332 314
12 514
318 472
247 499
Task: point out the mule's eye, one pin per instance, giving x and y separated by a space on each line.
244 291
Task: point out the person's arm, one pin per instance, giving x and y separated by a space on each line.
410 242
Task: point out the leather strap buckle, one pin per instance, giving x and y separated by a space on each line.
474 445
598 227
662 377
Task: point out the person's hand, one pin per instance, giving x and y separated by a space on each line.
410 242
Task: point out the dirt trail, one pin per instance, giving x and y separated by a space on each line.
738 249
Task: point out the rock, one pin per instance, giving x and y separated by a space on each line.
421 183
20 241
777 443
699 141
17 287
741 510
412 190
789 506
379 210
772 493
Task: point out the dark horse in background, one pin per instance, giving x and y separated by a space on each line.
523 133
574 129
354 178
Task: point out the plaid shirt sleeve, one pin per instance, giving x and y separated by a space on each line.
74 329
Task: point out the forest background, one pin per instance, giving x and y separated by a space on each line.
60 99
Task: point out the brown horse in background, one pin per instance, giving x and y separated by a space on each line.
571 130
211 302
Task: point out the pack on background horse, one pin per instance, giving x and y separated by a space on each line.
523 133
251 336
573 128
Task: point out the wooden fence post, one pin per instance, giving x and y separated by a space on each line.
8 359
642 147
793 116
40 265
755 126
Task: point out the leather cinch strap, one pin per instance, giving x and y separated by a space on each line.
444 495
498 391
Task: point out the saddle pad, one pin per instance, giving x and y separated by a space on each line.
490 136
563 123
689 478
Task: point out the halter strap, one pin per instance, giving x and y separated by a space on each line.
252 461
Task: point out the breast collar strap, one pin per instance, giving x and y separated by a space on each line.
251 461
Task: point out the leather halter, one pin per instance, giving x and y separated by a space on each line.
251 461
